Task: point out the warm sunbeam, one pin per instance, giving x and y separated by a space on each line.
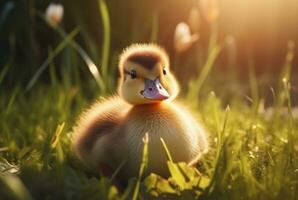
149 99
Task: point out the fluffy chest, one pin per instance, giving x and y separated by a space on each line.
162 121
156 120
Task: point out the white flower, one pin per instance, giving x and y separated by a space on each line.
194 19
54 14
183 39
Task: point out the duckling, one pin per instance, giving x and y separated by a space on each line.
110 132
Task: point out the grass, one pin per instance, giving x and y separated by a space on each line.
253 152
252 156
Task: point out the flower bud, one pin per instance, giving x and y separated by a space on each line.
54 14
183 39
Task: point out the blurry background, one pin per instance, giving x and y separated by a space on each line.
258 31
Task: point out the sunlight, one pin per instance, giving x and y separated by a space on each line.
149 99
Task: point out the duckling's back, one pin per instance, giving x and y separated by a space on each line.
99 120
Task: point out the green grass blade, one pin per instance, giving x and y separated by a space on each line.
166 149
56 137
56 52
106 37
194 91
253 84
213 40
4 71
117 170
290 136
12 100
174 169
53 75
223 141
90 64
143 166
286 72
207 67
16 186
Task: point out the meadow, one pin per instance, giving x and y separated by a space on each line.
253 136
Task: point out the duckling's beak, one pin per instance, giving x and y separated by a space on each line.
154 90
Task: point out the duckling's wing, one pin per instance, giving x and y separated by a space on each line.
97 123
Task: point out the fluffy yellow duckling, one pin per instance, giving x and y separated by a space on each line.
111 131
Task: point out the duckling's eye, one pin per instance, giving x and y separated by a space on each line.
133 74
164 71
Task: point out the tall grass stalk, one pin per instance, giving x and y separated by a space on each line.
143 166
281 94
90 64
213 52
16 186
222 143
213 41
254 89
196 85
166 150
4 71
106 37
290 134
51 57
12 100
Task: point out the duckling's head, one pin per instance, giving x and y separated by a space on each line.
145 75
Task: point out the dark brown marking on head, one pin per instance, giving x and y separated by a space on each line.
145 59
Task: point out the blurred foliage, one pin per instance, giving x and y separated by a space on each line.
26 41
